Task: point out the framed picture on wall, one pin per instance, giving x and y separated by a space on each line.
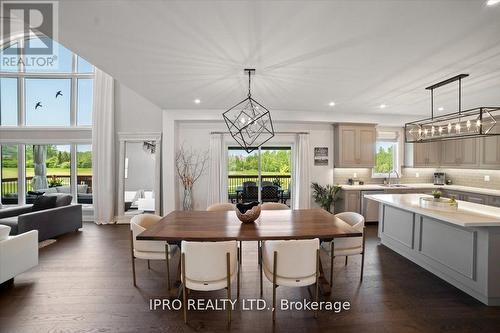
321 156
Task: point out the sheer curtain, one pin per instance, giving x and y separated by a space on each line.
103 144
217 171
302 183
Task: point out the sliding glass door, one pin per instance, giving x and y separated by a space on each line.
264 175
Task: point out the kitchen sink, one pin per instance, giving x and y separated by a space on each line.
394 185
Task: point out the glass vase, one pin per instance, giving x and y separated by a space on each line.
187 203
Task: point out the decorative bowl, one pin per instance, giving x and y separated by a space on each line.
439 204
248 213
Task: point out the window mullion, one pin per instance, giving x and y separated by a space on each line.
21 174
73 173
74 91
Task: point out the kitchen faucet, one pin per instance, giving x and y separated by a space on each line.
390 172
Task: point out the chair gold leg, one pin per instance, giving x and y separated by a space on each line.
260 268
346 260
167 253
132 256
241 253
275 261
332 256
238 284
184 288
316 295
228 265
149 265
363 255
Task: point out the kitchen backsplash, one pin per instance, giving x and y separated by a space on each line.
474 178
465 177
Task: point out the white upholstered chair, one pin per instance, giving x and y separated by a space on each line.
291 263
348 246
17 253
207 266
227 207
274 206
221 207
146 249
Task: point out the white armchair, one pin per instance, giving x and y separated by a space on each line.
291 263
146 249
350 245
207 266
17 253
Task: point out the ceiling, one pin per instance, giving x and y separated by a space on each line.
359 54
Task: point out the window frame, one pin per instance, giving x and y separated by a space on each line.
21 75
24 135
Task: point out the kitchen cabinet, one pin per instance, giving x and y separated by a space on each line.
460 153
426 154
490 152
350 202
493 201
476 198
354 145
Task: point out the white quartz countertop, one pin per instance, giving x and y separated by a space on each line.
469 189
468 214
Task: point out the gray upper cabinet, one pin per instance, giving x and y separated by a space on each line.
354 145
490 152
460 153
426 154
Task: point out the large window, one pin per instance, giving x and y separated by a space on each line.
387 154
9 174
44 97
263 175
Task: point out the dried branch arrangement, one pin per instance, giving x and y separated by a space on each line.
190 165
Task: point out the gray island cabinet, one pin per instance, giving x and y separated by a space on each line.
461 247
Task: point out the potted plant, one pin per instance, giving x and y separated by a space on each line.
436 194
325 196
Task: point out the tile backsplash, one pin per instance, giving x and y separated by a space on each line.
465 177
474 177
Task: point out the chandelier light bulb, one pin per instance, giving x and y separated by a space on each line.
425 131
468 125
478 123
419 131
457 127
440 130
433 130
449 127
242 120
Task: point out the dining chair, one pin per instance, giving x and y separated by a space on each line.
270 193
266 183
274 206
207 266
250 193
149 250
227 207
221 207
291 263
348 246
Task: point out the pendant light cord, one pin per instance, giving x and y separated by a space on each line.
249 75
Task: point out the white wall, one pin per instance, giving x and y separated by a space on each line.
196 135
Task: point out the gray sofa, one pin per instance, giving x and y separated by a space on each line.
50 223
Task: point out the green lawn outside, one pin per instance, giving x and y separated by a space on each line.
12 172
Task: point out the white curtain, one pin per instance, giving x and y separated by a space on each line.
301 187
217 171
103 149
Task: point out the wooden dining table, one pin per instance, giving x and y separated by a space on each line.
205 226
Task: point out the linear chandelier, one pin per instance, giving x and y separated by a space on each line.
477 122
249 122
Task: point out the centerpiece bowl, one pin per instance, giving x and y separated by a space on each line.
248 213
444 204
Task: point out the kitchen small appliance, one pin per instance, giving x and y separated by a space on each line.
439 178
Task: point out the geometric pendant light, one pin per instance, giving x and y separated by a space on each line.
477 122
249 122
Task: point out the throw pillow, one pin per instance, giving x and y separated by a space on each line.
43 202
62 199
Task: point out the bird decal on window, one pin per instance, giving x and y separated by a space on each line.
59 93
38 105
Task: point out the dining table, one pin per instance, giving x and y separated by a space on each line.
203 226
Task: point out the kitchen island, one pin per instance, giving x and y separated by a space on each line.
462 247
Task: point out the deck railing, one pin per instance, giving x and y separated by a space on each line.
9 185
237 180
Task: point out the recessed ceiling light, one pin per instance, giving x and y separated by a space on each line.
382 106
440 108
492 2
197 101
331 104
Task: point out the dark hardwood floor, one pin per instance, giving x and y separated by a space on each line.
84 284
